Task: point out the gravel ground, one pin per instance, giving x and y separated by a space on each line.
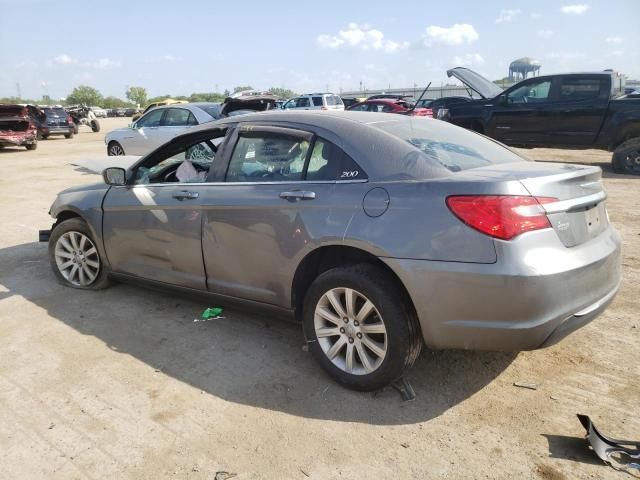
123 384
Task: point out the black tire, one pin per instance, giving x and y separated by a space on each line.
69 135
76 128
112 148
477 127
32 146
76 225
95 125
404 338
44 137
626 158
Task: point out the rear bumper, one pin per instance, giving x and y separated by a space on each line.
535 294
58 130
17 139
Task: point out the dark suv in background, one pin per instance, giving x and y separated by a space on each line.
57 122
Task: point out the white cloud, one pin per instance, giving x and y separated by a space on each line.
578 9
545 33
104 63
169 58
617 53
468 60
361 37
613 40
535 16
457 34
64 59
507 15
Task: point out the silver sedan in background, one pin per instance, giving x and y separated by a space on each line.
160 124
378 233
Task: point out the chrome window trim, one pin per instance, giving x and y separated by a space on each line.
217 184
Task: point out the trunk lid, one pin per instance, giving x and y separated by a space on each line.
579 213
10 125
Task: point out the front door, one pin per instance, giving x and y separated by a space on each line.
152 228
523 117
146 134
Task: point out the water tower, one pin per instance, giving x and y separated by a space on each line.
521 68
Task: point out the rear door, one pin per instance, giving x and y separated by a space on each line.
578 110
523 118
274 205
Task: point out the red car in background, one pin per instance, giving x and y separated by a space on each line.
391 105
19 125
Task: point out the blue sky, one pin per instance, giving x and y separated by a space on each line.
180 47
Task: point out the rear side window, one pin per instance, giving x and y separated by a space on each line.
328 162
317 101
579 88
334 100
192 120
176 117
303 102
267 157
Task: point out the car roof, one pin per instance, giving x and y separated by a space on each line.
382 155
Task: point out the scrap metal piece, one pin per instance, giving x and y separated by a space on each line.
405 389
620 454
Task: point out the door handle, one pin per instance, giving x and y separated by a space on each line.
298 195
184 195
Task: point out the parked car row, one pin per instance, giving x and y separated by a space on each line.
24 125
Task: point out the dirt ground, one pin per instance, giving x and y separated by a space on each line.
123 384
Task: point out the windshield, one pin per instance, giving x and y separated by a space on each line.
452 147
55 111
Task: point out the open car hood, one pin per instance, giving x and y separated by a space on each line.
476 82
257 103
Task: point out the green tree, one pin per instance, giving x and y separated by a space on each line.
114 102
84 95
206 97
226 93
283 92
240 89
137 95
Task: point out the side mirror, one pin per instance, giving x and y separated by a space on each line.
132 125
502 99
114 176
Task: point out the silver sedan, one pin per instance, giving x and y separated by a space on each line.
378 233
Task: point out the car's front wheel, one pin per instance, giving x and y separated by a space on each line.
360 326
75 258
114 149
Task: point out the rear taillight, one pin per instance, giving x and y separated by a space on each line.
69 120
501 216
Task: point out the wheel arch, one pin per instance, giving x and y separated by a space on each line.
327 257
68 212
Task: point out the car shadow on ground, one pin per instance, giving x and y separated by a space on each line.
246 358
571 448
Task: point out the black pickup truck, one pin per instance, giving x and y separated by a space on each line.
573 110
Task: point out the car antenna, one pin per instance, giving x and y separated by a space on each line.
421 95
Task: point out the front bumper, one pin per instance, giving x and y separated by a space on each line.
535 294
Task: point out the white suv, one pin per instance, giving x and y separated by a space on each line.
315 101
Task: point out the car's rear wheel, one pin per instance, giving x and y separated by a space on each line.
32 146
76 129
95 125
626 158
114 149
69 135
74 257
360 326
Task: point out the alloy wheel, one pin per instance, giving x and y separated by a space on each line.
350 331
116 150
77 258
